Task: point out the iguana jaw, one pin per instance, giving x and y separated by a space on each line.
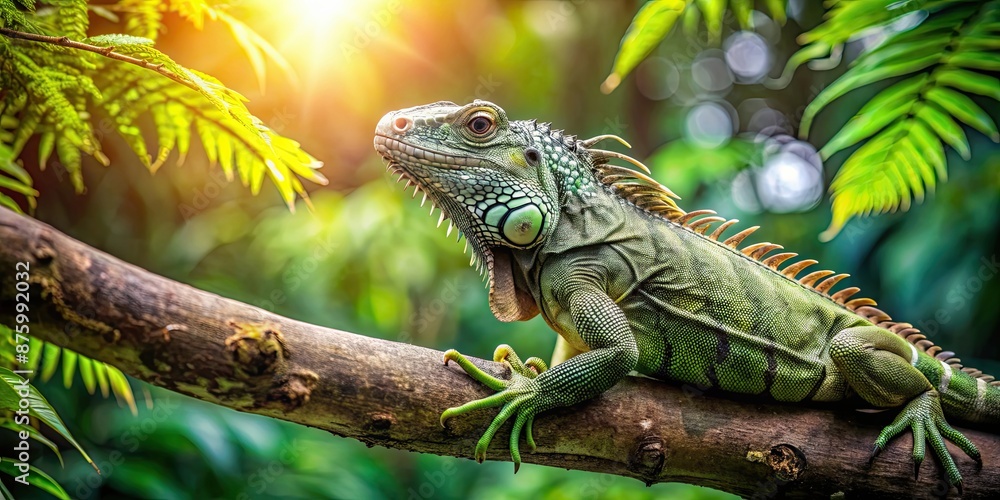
402 160
423 145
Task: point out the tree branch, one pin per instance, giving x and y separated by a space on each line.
104 51
391 394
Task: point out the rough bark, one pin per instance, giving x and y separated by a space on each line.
391 394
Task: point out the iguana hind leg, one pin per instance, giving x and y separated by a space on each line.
879 366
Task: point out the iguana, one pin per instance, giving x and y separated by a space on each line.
630 281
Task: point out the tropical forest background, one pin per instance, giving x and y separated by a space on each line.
239 160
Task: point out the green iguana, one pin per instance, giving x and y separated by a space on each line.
632 282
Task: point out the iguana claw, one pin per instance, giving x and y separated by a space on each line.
871 457
516 396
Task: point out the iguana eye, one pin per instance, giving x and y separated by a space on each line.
481 125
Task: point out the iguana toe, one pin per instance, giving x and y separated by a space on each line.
474 371
536 363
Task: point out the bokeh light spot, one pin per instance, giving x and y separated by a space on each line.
791 179
710 72
709 124
657 78
748 56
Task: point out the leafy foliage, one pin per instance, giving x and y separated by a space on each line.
657 18
39 407
39 479
944 60
14 178
64 92
54 93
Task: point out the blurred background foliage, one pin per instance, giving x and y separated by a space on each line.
368 260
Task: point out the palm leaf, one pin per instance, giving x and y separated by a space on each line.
907 124
95 374
11 384
845 20
39 479
34 434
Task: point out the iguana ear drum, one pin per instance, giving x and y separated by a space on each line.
519 225
522 225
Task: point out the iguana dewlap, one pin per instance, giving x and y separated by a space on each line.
632 282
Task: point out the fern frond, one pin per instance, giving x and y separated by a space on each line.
58 77
257 50
656 20
53 93
194 11
12 15
67 18
908 123
243 147
142 17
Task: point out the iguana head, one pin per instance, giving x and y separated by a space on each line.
500 181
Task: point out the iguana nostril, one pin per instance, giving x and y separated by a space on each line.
402 124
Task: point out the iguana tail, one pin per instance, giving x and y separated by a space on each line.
966 393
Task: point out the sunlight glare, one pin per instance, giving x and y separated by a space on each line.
321 15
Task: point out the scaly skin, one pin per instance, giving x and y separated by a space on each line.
632 283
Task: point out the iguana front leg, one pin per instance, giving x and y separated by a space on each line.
602 326
880 367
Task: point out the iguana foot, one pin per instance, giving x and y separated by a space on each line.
923 414
517 396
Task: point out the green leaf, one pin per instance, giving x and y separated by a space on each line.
14 178
35 345
12 387
68 367
50 361
963 108
946 128
713 11
970 81
5 492
891 53
101 374
777 10
86 369
932 151
34 434
986 61
651 24
256 47
743 10
121 388
36 478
